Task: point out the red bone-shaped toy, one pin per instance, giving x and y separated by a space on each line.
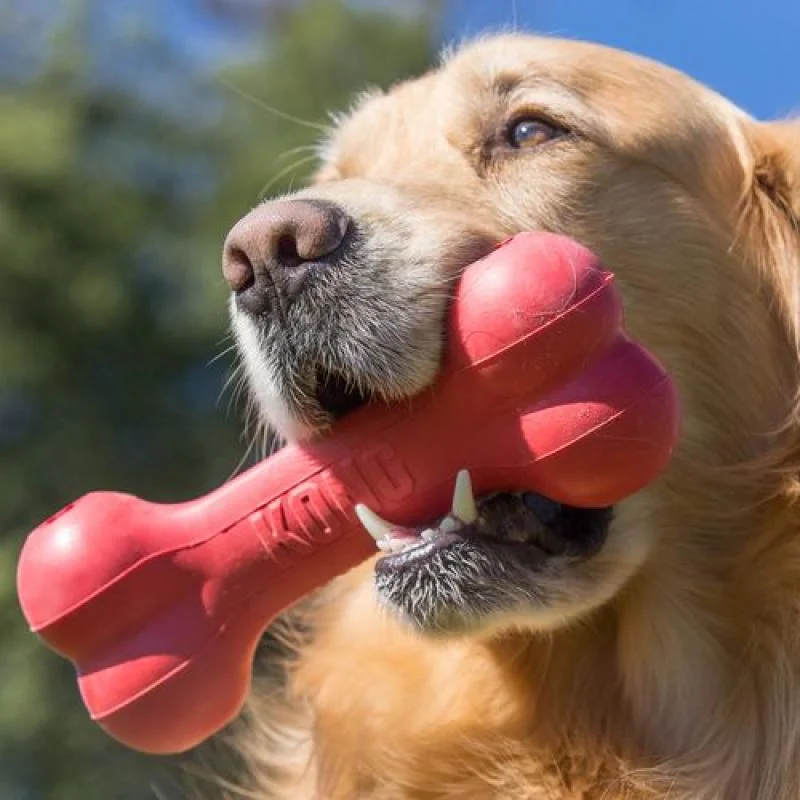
161 606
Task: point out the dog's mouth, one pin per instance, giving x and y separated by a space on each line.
488 556
484 556
337 395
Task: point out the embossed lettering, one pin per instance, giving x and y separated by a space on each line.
394 479
322 508
377 477
354 479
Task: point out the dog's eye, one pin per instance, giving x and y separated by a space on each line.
531 132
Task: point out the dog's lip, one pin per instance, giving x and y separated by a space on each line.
336 395
404 545
420 550
410 548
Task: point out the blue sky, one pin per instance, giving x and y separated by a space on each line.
745 49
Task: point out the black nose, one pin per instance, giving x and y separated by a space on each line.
272 250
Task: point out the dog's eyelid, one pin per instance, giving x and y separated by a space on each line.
544 127
537 115
537 94
553 101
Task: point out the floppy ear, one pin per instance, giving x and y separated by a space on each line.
770 216
777 166
771 223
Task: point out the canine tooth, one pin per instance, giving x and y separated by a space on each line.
428 535
463 501
379 529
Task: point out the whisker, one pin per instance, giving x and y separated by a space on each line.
236 373
239 381
235 396
296 165
243 460
272 110
221 354
303 148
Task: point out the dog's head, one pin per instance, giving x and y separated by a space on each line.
340 291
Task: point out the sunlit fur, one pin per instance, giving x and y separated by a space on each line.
671 667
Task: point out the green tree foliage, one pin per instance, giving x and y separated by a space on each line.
116 189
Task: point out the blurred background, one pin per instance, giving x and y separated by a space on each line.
133 133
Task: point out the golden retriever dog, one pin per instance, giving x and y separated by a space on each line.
545 652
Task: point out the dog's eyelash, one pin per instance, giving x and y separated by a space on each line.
499 144
542 130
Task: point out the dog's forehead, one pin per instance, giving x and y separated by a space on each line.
386 129
499 61
624 100
595 74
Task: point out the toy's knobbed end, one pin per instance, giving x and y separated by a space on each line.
73 554
536 286
175 716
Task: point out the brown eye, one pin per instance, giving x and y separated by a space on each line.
530 132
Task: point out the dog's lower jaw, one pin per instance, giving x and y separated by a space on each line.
496 572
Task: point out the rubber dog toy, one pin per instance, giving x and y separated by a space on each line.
160 607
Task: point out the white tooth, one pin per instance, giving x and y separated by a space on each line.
379 529
463 501
428 534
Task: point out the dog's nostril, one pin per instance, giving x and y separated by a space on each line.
286 249
238 269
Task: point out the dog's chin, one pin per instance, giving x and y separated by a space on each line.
505 569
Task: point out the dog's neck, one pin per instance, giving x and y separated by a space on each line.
705 654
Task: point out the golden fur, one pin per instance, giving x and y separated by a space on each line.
671 665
